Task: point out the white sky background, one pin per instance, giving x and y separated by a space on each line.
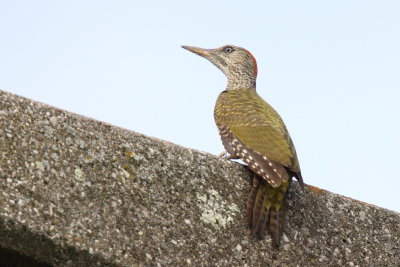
330 68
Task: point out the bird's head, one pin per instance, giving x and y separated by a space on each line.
238 64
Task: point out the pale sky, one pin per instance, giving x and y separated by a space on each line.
330 68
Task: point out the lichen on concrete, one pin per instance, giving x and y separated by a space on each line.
215 210
78 192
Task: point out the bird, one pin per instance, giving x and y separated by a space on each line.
251 130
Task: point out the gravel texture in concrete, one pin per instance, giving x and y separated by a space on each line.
78 192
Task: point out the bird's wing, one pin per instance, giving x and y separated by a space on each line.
258 127
267 141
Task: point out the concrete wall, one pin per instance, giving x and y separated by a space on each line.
75 191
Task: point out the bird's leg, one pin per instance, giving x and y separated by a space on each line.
226 155
256 181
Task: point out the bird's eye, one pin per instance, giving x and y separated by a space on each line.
228 49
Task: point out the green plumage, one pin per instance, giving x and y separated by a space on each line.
256 124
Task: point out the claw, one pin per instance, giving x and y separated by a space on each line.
225 155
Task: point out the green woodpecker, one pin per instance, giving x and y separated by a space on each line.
251 130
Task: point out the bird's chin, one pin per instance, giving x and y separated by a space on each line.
219 67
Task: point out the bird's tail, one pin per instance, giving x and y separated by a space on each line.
266 209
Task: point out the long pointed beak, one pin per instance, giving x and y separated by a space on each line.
199 51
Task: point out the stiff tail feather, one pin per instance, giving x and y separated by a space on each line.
266 208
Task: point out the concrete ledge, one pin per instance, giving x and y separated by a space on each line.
79 192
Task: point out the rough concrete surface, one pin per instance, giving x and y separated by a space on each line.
78 192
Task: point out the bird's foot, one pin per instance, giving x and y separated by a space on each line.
225 155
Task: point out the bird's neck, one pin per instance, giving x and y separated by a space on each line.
243 82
